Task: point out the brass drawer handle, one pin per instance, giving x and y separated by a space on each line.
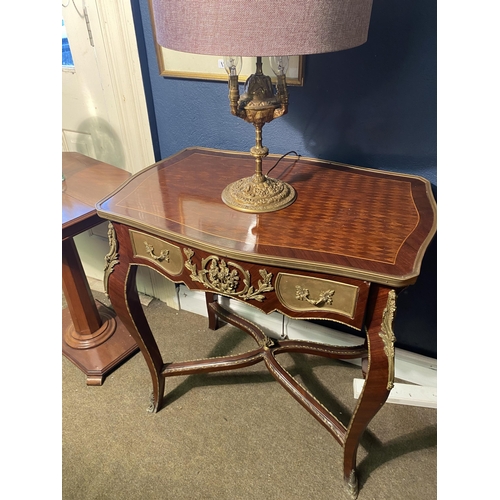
324 297
159 258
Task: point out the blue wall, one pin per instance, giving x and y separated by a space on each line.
372 106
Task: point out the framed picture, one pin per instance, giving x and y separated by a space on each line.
175 64
183 65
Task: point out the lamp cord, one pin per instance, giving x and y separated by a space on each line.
283 156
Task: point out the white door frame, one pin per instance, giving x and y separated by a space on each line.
115 43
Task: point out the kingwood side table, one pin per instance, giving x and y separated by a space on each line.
93 338
353 238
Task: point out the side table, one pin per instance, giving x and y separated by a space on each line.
342 251
94 339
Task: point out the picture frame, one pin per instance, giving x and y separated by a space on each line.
174 64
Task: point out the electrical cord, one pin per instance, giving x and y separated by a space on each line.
283 156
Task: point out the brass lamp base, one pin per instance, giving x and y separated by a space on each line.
258 194
258 105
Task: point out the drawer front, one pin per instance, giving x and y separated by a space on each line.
157 251
305 294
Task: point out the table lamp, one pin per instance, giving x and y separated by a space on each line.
256 28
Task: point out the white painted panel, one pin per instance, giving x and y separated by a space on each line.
165 290
192 301
92 250
405 394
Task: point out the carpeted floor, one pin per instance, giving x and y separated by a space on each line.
232 435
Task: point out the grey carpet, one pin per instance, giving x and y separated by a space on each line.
231 435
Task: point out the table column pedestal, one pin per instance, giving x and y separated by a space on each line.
94 339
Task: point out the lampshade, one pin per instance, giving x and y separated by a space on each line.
261 27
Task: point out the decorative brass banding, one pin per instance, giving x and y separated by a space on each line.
387 335
151 251
324 297
111 258
216 274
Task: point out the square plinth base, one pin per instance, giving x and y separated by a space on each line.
97 362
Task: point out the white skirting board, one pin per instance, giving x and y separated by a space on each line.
420 371
405 394
98 286
409 367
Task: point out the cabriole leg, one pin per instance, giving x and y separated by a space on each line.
121 288
379 378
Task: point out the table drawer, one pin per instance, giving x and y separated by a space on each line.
307 294
157 251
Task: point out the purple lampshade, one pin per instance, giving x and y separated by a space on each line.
261 27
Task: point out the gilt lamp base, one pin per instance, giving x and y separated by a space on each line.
258 194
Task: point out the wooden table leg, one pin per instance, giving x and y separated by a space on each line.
213 319
379 378
121 284
94 339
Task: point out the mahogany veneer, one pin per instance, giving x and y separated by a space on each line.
93 338
353 238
